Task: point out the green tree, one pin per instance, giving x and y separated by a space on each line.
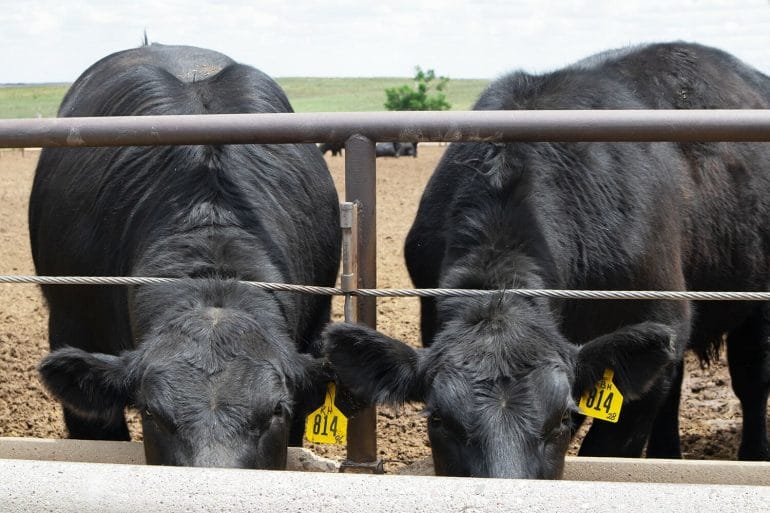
419 96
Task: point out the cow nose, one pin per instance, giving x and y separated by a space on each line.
512 464
216 456
513 472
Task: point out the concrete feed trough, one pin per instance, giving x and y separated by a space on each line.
71 475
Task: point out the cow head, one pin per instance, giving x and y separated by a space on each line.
216 386
499 396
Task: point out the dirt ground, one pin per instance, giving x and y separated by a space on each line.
710 416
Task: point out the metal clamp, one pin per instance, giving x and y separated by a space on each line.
349 277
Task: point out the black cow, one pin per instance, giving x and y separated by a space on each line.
501 374
395 149
335 148
407 149
220 370
385 149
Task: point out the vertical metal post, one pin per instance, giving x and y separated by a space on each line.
361 188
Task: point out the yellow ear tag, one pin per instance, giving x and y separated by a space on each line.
327 424
604 400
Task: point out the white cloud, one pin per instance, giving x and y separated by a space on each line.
45 40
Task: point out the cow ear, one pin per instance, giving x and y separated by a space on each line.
313 372
375 368
311 390
311 379
91 384
638 356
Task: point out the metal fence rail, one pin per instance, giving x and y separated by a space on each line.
515 125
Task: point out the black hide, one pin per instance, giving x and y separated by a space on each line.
221 370
501 375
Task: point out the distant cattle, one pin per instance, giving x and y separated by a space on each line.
395 149
385 149
335 148
406 149
501 375
222 372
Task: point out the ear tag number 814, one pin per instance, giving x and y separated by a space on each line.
327 424
604 400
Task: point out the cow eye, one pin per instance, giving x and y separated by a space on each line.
256 422
563 427
435 419
260 421
447 424
160 420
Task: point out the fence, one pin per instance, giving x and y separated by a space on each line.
360 131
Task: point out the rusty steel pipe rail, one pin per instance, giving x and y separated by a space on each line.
514 125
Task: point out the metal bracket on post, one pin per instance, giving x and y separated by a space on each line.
349 278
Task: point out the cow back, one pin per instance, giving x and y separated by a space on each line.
106 211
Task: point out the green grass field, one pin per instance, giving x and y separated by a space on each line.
31 101
305 94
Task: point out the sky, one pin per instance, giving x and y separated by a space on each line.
56 40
